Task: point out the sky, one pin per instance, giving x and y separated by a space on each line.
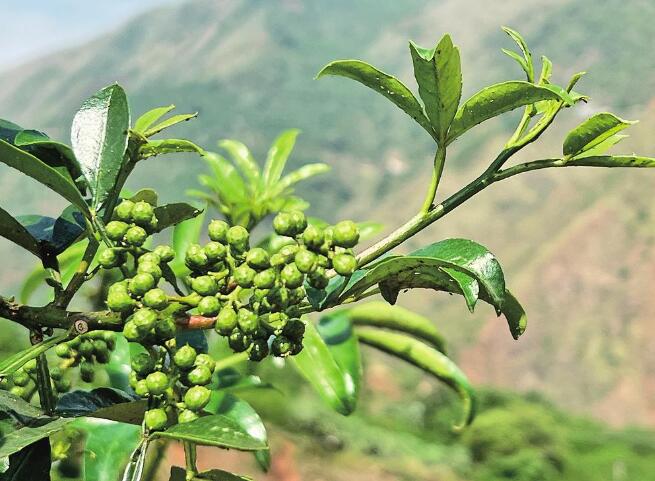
33 28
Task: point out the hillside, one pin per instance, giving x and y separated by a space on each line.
585 257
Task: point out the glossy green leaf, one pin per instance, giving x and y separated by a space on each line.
469 287
317 364
14 231
228 184
515 315
107 448
54 235
99 137
424 357
382 315
497 99
214 430
169 122
438 74
146 195
243 160
30 463
601 148
382 83
168 146
278 155
233 381
304 172
519 59
546 70
613 161
526 63
41 172
145 121
179 474
55 154
172 214
13 363
592 132
103 402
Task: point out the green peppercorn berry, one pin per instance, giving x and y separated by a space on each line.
226 320
110 258
274 321
152 225
17 391
185 357
157 383
30 366
132 379
155 299
63 350
136 236
195 258
56 373
123 211
116 230
296 348
265 279
279 297
237 238
217 230
318 279
165 253
313 238
86 349
346 234
289 251
87 373
215 251
149 257
277 260
197 398
131 333
120 302
20 378
199 376
322 261
155 419
62 385
345 264
144 319
204 285
305 261
209 306
281 346
247 321
141 283
291 276
186 416
328 234
244 275
150 268
101 351
294 329
165 329
258 259
297 295
205 360
141 388
142 213
258 351
283 224
239 341
299 221
142 364
110 338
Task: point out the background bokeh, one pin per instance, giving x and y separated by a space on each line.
578 246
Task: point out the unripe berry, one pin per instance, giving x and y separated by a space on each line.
199 376
155 299
144 319
283 224
258 351
20 378
291 276
299 221
244 275
185 357
239 341
226 320
215 251
265 279
63 350
110 338
318 279
136 236
237 238
120 302
157 383
258 259
87 373
116 230
149 257
150 268
204 285
294 329
346 234
165 253
197 398
165 329
62 385
143 364
110 258
123 211
279 297
186 416
205 360
313 237
101 351
86 349
155 419
305 261
281 346
131 333
345 264
208 306
247 321
141 283
141 388
142 213
217 230
195 258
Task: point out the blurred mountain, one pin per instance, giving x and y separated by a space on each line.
577 245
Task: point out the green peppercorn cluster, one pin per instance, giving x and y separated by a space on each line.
84 351
21 383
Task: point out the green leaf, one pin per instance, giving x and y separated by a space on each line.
55 154
527 64
546 70
228 184
382 315
613 161
179 474
172 214
103 402
515 315
304 172
54 235
168 146
424 357
46 175
14 231
31 462
592 132
244 161
500 98
233 381
519 59
468 286
169 122
214 430
146 195
317 364
382 83
107 448
99 137
13 363
150 117
278 155
438 73
604 146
